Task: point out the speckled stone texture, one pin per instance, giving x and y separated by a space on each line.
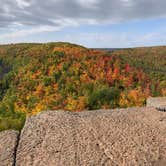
126 137
8 143
157 102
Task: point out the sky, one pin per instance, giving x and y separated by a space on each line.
92 23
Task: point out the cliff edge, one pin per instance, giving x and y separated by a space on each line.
134 136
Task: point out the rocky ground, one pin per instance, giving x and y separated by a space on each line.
135 136
8 145
157 102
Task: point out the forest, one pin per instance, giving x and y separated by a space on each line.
64 76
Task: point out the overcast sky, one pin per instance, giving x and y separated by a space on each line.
92 23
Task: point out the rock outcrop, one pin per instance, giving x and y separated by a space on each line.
8 145
135 136
157 102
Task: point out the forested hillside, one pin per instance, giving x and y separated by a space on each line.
151 60
53 76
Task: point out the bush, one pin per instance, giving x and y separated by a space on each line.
47 81
104 96
9 117
59 54
16 123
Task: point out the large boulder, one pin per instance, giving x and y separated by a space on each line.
135 136
8 145
157 102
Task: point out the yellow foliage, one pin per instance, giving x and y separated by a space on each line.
21 108
82 101
132 98
163 92
76 104
39 107
71 103
39 90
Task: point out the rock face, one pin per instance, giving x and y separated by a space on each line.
8 143
135 136
157 102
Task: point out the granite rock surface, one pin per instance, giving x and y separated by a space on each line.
135 136
8 144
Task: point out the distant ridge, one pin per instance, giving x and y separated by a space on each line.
108 49
130 48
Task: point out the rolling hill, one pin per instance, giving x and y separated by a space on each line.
64 76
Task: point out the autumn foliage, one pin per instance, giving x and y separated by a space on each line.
63 76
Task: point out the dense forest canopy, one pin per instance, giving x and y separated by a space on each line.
54 76
151 60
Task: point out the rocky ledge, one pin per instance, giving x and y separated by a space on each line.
158 102
8 146
134 136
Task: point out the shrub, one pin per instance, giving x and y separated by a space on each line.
47 81
104 96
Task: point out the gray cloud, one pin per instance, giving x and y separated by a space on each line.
60 13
